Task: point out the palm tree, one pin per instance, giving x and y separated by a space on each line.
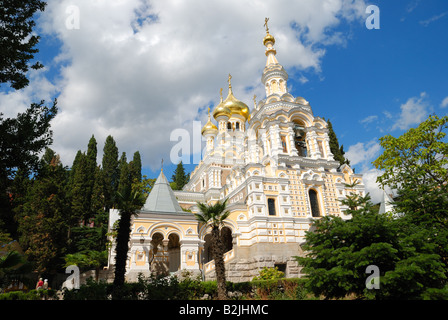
128 203
214 216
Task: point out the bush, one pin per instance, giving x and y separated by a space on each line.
170 288
30 295
269 274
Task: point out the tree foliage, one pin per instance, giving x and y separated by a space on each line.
180 178
410 249
42 217
337 151
416 165
111 173
339 252
17 40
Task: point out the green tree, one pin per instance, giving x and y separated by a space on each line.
42 218
339 252
111 174
22 139
79 190
135 166
180 178
82 181
337 151
125 181
18 40
8 263
128 204
416 165
214 216
86 260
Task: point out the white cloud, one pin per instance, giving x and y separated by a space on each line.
369 119
426 22
444 103
414 111
137 70
371 186
363 153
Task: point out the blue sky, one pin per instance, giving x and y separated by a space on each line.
138 69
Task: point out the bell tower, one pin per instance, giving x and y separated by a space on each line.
274 75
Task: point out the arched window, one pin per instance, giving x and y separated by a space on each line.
237 126
229 126
271 206
314 202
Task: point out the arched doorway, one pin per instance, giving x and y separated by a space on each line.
173 252
158 258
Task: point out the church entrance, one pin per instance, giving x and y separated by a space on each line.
165 254
173 252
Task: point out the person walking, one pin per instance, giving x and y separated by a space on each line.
39 284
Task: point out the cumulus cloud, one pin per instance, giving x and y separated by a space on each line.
371 186
414 111
137 70
363 153
444 103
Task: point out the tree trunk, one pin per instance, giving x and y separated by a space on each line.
124 229
218 256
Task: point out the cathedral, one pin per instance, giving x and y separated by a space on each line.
272 163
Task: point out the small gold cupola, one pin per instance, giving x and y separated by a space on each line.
209 127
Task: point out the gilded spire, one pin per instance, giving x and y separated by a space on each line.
273 81
268 40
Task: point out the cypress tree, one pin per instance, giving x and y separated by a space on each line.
110 171
80 202
125 175
179 177
43 217
82 180
338 152
136 168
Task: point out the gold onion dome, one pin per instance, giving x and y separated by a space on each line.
209 127
221 110
234 105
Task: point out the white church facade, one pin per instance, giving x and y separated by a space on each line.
274 165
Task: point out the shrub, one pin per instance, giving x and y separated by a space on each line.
30 295
269 274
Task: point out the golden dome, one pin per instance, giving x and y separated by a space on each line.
221 110
234 105
268 38
209 126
